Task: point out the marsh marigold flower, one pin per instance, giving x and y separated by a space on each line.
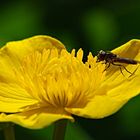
40 82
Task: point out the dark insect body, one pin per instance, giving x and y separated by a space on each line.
111 58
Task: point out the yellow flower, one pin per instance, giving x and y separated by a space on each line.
40 82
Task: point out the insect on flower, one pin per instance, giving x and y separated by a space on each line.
111 58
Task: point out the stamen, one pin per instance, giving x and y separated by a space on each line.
59 79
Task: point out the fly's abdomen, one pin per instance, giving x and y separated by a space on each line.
126 61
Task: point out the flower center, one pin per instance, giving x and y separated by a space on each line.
58 80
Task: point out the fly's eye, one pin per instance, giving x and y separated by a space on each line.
103 53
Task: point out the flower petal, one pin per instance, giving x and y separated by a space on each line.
36 119
12 53
23 47
13 98
98 107
124 85
6 72
126 90
129 50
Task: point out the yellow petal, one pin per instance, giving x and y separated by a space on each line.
124 86
36 119
26 46
98 107
13 98
129 50
12 53
125 90
6 72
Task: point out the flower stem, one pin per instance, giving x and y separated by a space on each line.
59 130
9 132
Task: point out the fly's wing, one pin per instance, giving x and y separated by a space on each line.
126 61
111 55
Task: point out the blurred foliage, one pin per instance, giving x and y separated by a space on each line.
87 24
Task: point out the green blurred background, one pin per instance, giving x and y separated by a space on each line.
87 24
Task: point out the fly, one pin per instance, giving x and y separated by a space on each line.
111 58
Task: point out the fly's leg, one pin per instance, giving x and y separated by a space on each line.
134 71
107 67
121 67
121 71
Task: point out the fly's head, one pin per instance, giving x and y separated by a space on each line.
101 56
